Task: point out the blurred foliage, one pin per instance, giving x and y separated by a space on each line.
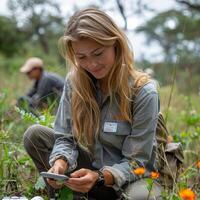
177 32
40 20
11 37
18 176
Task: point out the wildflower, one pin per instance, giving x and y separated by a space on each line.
139 171
155 175
187 194
198 164
169 139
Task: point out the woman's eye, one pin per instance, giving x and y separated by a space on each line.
98 54
81 58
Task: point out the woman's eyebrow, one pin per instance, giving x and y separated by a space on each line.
77 53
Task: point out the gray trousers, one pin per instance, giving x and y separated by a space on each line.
39 141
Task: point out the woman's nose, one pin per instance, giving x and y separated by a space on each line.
92 64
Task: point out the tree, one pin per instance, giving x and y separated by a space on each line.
10 36
193 5
41 20
174 31
177 32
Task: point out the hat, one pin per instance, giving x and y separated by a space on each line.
31 63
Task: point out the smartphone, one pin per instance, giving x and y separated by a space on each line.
57 177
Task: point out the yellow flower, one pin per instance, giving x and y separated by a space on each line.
155 175
139 171
187 194
198 164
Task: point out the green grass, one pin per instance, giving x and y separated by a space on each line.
179 106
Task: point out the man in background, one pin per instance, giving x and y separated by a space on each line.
47 86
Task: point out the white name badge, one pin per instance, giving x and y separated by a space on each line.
110 127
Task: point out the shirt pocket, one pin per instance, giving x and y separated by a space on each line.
116 138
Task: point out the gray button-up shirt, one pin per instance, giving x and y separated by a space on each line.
119 142
48 85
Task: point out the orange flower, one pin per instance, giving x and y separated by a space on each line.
187 194
198 164
139 171
155 175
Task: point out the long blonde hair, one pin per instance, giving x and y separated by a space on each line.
94 24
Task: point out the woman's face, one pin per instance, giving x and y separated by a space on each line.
93 57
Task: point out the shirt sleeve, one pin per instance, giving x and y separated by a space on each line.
65 144
139 146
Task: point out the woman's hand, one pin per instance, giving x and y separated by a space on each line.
60 167
82 180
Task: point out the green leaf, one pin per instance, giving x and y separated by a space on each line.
149 182
40 184
65 194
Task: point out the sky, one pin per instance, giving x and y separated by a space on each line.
140 49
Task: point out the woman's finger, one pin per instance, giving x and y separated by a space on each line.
79 173
80 181
82 189
54 184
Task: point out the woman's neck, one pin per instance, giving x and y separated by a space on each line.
104 85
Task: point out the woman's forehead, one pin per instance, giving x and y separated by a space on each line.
85 46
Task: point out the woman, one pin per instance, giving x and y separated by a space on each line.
105 125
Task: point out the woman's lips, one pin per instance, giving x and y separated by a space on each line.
96 70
